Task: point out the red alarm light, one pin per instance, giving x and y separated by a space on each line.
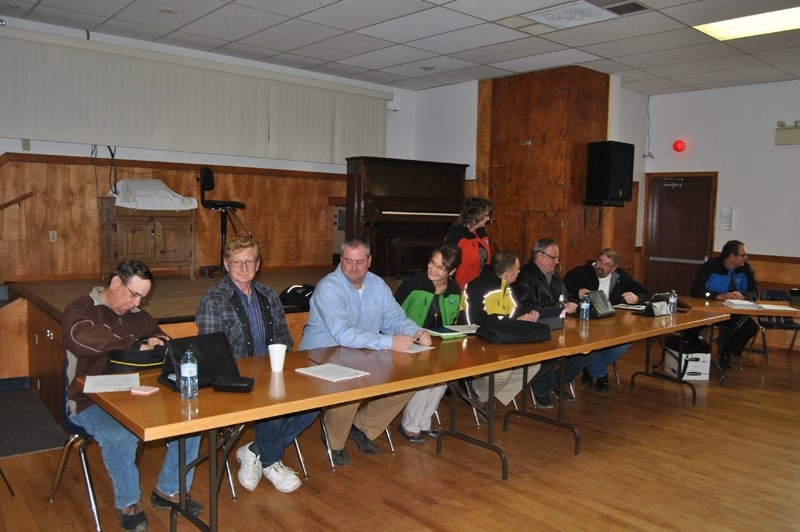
679 145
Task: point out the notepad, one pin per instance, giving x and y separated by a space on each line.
121 382
444 332
740 303
332 372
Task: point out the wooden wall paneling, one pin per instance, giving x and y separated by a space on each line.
541 124
480 186
287 211
14 347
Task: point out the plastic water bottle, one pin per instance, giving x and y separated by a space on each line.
188 376
672 302
561 300
585 307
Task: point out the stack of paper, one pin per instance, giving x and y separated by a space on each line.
332 372
740 303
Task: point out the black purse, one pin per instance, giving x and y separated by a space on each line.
514 332
134 359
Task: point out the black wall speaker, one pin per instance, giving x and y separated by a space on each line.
609 173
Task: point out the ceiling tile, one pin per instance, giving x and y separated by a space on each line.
509 50
706 65
467 38
386 57
337 69
438 64
246 52
605 65
736 74
292 60
466 74
232 22
412 84
188 40
69 19
290 35
649 43
677 55
549 60
290 8
376 76
105 9
772 41
355 14
182 12
421 24
132 30
713 10
495 9
342 46
620 28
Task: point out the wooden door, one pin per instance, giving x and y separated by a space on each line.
173 241
679 228
135 240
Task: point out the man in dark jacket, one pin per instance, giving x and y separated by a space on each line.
729 276
538 286
603 274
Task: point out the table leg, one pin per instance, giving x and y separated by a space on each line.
488 443
650 371
559 420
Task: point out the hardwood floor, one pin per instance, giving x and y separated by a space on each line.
649 461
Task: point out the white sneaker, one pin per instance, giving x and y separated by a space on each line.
283 478
249 467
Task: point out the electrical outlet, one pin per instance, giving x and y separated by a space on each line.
53 236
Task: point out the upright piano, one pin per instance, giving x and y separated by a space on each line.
402 207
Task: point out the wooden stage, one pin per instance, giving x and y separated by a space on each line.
172 300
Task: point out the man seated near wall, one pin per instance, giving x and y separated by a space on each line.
251 316
729 276
488 299
603 274
106 319
353 307
538 286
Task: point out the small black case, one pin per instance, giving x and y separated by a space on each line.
233 384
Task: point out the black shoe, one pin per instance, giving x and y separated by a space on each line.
542 401
433 433
364 444
586 378
602 384
136 522
159 501
340 457
567 397
413 438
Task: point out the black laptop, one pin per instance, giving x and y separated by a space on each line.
551 316
213 354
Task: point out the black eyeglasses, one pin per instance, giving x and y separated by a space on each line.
549 255
135 295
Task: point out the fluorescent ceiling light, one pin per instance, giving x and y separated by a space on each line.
736 28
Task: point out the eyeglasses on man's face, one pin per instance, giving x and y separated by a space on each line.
546 254
135 295
237 264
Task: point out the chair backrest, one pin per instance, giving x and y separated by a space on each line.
206 179
68 376
774 295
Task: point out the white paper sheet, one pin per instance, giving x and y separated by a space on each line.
331 372
110 383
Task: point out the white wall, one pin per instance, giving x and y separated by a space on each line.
732 131
630 125
447 125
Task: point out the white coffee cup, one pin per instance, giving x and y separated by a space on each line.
277 354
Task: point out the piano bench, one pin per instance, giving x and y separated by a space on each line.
401 243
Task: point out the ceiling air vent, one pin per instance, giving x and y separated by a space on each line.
626 8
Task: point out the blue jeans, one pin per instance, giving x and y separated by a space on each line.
598 361
274 434
118 448
548 381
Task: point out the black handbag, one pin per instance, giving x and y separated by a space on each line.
134 359
513 332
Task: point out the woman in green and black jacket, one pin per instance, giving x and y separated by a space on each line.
430 299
